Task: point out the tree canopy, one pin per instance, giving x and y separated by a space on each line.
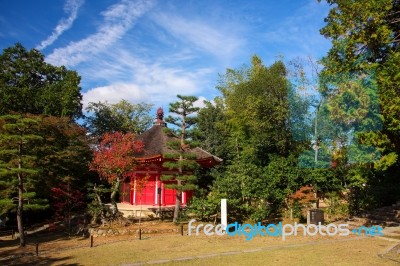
17 169
29 85
365 48
114 160
122 117
276 142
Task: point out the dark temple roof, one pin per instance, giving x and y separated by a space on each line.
155 144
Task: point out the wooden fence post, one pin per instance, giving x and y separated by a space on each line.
91 241
140 234
37 249
181 229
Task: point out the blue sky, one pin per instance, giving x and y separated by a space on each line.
149 51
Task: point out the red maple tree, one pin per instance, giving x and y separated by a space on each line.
65 201
114 160
304 195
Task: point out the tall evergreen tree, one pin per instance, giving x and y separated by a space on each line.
365 49
181 160
17 135
365 38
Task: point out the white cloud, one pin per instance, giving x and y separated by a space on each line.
118 19
138 80
114 93
131 77
200 102
220 41
71 7
151 84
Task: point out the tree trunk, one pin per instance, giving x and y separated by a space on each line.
20 204
114 207
177 203
178 191
102 213
19 212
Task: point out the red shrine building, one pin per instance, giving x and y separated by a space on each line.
150 160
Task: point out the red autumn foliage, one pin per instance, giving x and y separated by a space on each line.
66 200
304 195
114 158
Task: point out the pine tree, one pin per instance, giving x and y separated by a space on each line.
17 134
181 160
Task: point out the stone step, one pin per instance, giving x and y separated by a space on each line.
382 223
351 226
356 218
387 216
355 222
379 213
393 208
383 217
392 224
388 209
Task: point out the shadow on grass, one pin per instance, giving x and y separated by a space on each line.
45 242
35 260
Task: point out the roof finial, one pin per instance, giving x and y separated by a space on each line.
160 114
160 117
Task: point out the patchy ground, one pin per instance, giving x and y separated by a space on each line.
50 242
56 248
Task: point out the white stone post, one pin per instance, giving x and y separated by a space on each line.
224 218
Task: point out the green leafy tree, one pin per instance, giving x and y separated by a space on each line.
365 38
17 135
211 132
63 155
29 85
362 33
257 109
365 49
256 102
122 116
181 159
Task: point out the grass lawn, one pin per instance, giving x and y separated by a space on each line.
174 249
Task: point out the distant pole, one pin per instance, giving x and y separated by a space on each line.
37 249
224 218
91 241
316 144
159 202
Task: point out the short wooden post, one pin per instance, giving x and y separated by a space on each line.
12 234
181 229
91 241
37 249
140 234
